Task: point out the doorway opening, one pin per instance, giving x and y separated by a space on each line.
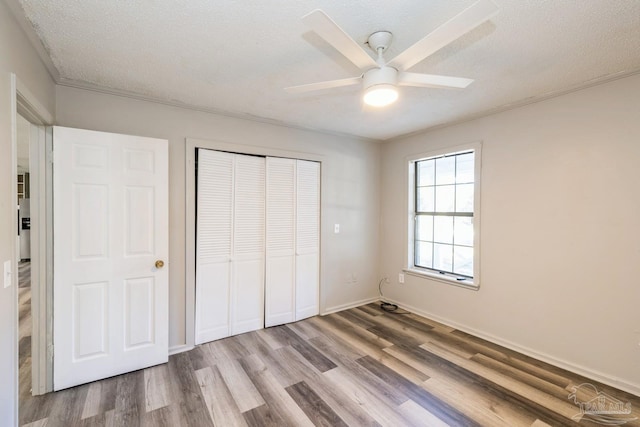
23 244
32 245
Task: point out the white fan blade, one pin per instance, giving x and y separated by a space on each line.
456 27
324 26
431 80
324 85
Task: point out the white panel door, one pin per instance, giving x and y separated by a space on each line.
214 236
280 243
307 239
247 281
229 244
110 227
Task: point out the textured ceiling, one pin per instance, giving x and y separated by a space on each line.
237 56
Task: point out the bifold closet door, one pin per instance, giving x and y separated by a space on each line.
281 233
229 244
307 239
292 246
247 275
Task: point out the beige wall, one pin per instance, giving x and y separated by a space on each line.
560 247
16 56
351 169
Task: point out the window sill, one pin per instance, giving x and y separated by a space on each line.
451 280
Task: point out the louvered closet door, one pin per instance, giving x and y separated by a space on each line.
280 244
307 239
230 245
214 227
247 290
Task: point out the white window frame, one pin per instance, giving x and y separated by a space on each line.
409 267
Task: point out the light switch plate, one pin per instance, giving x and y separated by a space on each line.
7 274
336 228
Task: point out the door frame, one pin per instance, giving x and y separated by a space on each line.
40 165
191 144
26 104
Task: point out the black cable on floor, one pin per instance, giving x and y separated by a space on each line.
387 306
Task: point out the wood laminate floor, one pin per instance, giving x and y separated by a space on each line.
24 329
359 367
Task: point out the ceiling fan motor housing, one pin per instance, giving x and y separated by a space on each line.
380 76
380 40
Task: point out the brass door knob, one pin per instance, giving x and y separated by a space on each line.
159 263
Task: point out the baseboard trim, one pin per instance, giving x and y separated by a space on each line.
179 349
560 363
347 306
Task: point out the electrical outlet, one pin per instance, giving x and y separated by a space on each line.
400 277
352 279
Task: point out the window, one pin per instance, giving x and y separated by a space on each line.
443 218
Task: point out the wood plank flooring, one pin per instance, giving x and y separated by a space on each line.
359 367
24 329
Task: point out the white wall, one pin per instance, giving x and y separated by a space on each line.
351 198
16 56
560 248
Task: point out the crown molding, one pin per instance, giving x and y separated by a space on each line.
18 14
518 104
239 116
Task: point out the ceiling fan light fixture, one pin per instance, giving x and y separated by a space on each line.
380 95
380 77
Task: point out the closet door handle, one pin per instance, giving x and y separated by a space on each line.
159 263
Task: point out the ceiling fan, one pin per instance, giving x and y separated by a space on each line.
380 78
